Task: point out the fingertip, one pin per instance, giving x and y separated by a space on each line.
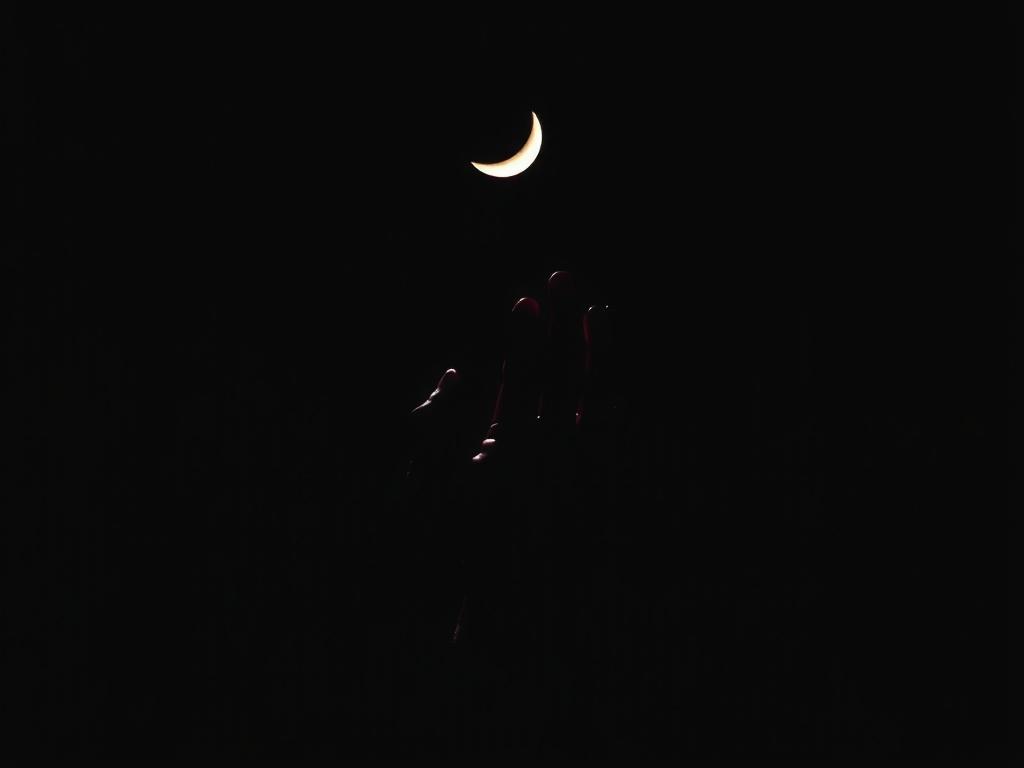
526 306
448 379
525 324
560 284
595 321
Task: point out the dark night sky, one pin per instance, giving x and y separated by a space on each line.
245 244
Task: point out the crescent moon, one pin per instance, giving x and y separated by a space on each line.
520 161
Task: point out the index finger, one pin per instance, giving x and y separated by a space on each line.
563 365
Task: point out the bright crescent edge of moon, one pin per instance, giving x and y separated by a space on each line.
520 161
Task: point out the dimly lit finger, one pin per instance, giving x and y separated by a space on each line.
515 408
563 354
445 386
434 414
599 368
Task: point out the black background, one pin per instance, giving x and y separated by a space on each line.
239 246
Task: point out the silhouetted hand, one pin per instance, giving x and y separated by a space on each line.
510 529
